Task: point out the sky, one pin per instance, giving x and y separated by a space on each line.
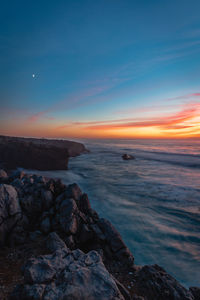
100 69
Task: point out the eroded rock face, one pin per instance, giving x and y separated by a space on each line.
40 154
67 275
49 206
10 211
80 243
153 282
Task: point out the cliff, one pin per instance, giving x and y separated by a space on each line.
40 154
67 251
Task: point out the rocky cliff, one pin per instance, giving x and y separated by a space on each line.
40 154
67 251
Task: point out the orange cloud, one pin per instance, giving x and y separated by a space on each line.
184 122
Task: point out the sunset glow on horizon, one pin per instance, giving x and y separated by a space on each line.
117 69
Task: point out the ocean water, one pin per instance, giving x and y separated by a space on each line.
154 200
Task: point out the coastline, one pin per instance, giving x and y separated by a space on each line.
34 153
44 207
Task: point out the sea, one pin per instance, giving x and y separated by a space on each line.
153 200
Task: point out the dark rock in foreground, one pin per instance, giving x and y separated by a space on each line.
40 154
127 157
153 282
67 275
83 256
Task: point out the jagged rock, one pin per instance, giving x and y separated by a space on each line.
10 211
74 276
115 241
67 219
74 191
85 203
54 242
195 292
152 282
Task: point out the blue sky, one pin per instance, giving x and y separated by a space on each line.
95 61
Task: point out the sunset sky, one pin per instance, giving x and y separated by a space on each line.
100 69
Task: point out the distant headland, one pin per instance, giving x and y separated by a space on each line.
40 154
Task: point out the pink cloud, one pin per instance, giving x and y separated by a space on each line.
40 115
175 121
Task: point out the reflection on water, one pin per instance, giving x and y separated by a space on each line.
154 200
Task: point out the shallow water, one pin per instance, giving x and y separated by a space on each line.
154 200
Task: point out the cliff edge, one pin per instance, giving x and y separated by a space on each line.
40 154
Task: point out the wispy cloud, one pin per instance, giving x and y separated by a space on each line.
174 123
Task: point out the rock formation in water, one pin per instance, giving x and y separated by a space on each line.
127 157
40 154
67 250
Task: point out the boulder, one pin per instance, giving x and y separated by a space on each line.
54 242
10 211
65 275
153 282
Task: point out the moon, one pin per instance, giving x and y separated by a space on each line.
33 75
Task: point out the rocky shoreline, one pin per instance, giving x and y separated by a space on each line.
55 246
37 154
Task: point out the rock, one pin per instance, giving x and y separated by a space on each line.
85 203
98 232
127 157
17 236
40 154
10 211
86 234
45 225
69 240
47 199
116 243
74 191
54 242
123 290
195 292
28 292
152 282
67 218
17 174
3 175
71 226
35 235
135 297
68 276
38 270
